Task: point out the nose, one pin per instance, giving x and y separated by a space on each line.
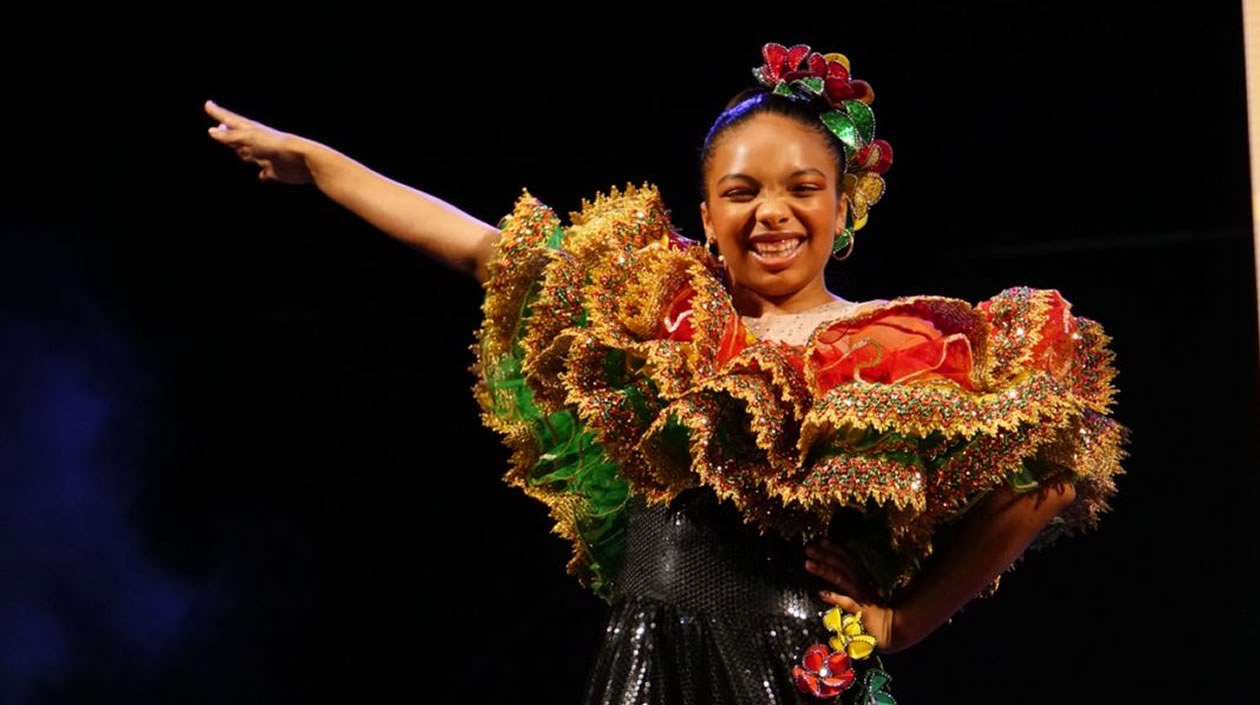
772 212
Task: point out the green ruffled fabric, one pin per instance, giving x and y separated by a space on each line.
570 463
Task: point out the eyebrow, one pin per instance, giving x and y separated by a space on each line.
810 172
799 172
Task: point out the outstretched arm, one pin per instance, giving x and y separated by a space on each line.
437 228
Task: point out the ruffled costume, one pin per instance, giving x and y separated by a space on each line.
671 444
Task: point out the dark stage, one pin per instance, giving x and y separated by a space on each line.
239 457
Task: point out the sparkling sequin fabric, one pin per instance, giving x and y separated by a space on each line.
615 365
707 610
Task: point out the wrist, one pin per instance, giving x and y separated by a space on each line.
894 636
317 158
902 633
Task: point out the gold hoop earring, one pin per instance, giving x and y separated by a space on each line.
852 238
712 247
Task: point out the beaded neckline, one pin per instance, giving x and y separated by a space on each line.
796 328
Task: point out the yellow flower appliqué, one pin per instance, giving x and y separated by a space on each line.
849 637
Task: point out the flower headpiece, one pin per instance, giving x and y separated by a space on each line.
801 74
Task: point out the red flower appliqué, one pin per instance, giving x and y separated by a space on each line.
826 673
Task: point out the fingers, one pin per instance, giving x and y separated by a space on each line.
876 621
844 602
832 575
220 133
832 547
828 562
838 567
232 128
226 134
224 116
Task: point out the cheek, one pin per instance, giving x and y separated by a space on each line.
822 218
728 226
819 251
822 224
730 246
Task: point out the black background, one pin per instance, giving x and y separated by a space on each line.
239 459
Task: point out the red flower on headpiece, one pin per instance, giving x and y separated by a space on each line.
784 64
779 60
842 89
826 673
876 156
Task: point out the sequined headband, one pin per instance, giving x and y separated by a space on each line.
801 74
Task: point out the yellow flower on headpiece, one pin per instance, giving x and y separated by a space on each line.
844 60
850 636
864 190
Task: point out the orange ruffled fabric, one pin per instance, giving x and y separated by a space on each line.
903 414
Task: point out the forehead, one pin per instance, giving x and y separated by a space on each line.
768 145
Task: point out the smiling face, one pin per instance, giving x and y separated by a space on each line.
774 206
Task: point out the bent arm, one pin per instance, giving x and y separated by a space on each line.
991 537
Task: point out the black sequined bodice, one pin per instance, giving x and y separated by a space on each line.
706 610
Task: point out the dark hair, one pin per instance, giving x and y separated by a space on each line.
757 101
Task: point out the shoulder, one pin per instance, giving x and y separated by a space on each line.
871 304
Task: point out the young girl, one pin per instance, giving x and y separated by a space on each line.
731 447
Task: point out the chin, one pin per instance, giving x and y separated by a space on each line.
777 284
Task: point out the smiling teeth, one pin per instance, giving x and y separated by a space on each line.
778 247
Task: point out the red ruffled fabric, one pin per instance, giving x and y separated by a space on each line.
890 349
